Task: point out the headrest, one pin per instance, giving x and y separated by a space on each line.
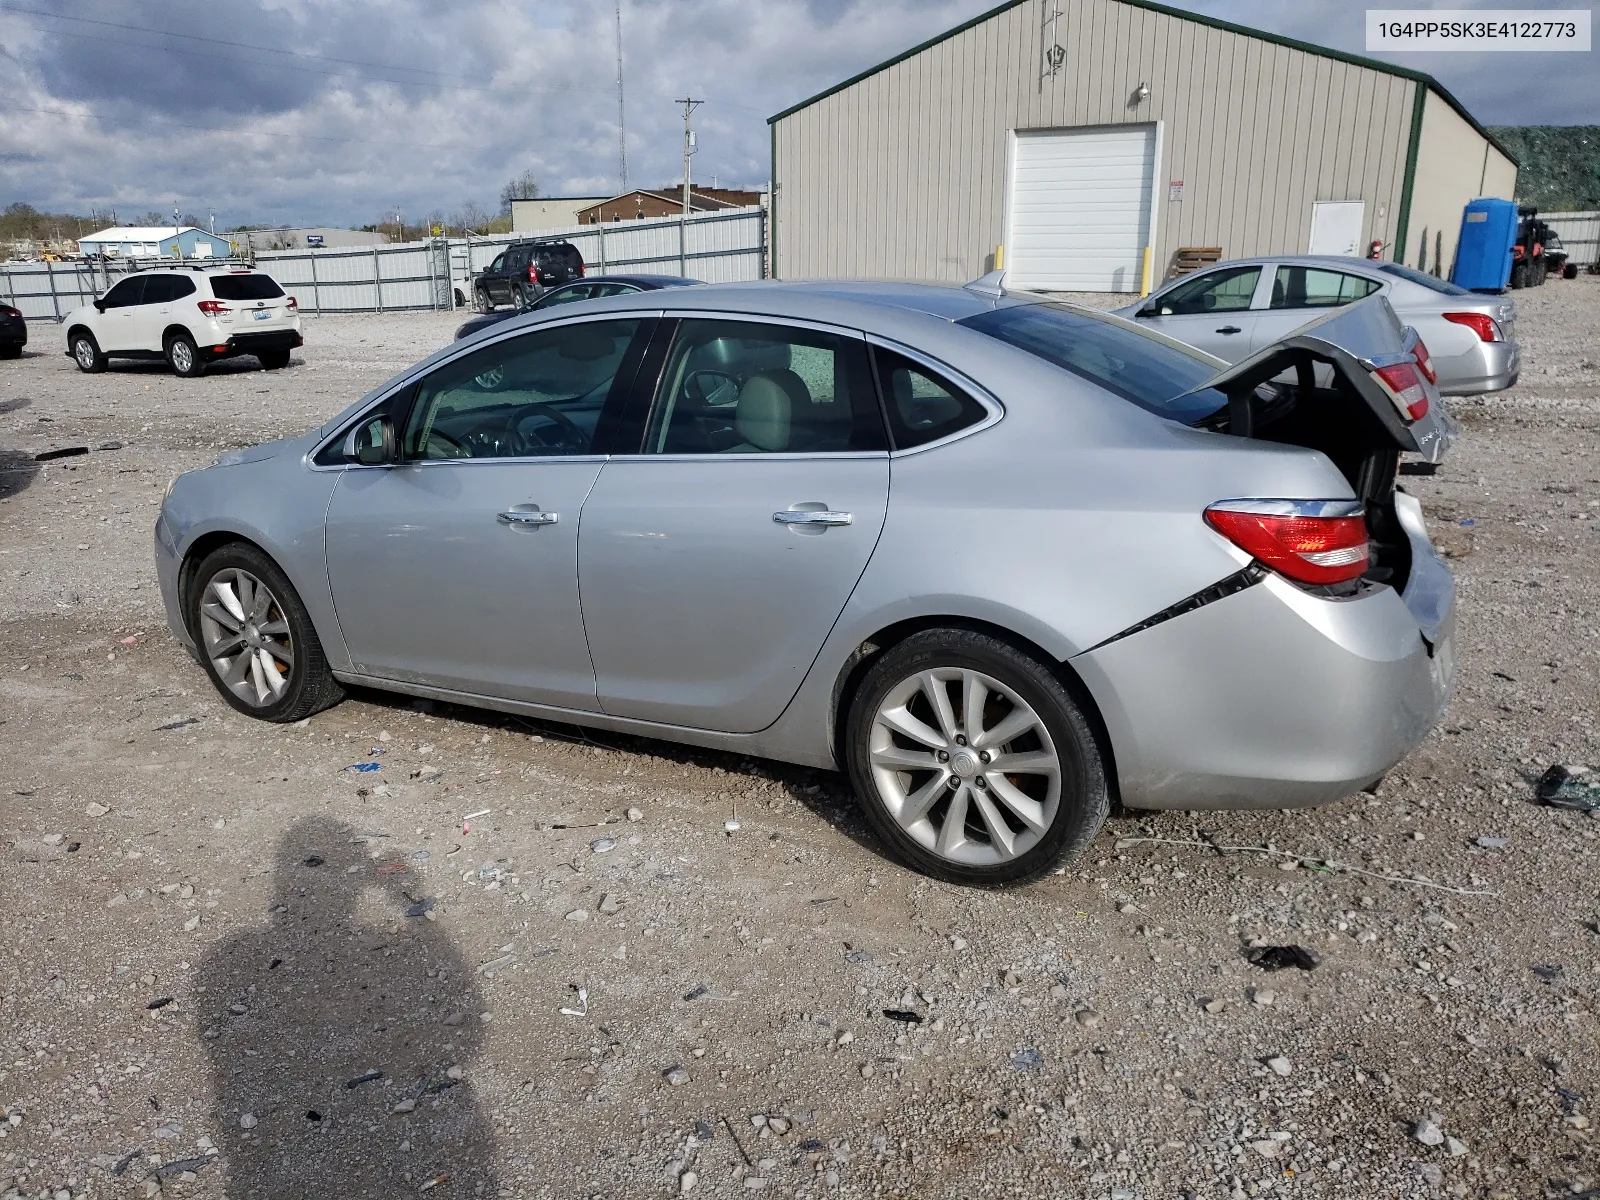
739 356
767 404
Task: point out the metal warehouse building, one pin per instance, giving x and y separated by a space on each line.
1065 136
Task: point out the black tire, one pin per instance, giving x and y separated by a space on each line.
87 354
183 356
1519 276
273 360
310 686
10 351
1570 271
519 299
481 300
1084 798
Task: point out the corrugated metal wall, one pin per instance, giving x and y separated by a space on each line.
903 174
1579 233
1455 164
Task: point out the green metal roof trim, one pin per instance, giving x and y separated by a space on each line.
1167 10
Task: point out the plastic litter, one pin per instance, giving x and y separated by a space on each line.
1493 843
699 991
64 452
603 845
1028 1060
421 907
370 1077
435 1182
1562 787
364 768
583 999
904 1015
1549 972
1278 958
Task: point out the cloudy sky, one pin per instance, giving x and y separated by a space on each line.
339 111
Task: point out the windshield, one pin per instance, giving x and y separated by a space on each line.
1422 279
245 287
1128 362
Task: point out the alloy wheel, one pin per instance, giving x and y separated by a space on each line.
182 357
246 636
965 766
84 353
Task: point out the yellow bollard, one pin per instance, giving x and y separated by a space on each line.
999 258
1144 278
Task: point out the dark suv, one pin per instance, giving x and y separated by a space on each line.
524 272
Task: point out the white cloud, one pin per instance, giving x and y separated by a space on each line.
326 111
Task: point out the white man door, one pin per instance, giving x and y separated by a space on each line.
1078 211
1336 227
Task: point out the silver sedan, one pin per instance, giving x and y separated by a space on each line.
1002 560
1235 308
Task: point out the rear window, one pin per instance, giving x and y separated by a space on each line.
1128 362
560 258
245 287
1422 279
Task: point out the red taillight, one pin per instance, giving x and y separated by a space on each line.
581 270
1425 361
533 274
7 311
293 304
213 307
1485 326
1294 538
1403 382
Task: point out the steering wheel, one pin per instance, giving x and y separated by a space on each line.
572 435
451 447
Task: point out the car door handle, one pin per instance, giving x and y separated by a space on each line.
522 516
797 516
1230 329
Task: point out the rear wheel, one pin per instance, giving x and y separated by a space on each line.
182 356
519 299
973 761
86 353
256 639
1519 275
481 300
274 360
1570 271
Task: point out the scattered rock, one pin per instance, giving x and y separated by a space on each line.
1428 1133
1279 1065
95 809
247 1121
609 904
578 914
637 815
676 1076
1265 997
1088 1018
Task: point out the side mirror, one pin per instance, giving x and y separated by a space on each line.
371 444
100 306
1150 310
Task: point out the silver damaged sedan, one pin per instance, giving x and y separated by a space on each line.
1001 559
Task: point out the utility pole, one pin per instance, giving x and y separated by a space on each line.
177 245
211 220
622 124
688 145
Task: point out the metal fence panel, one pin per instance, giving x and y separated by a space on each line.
720 247
1579 233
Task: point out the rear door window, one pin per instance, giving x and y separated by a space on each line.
1227 290
1314 287
245 287
158 289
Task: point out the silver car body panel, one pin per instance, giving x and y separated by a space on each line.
1466 365
1066 517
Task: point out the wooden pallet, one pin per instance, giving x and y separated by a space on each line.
1191 258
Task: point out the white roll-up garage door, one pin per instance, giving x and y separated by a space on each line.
1079 208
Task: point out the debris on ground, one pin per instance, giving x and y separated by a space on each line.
364 768
1278 958
420 908
1493 843
583 1000
1027 1060
903 1015
1570 788
369 1077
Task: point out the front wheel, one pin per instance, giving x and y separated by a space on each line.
484 304
182 356
973 761
273 360
86 353
256 640
11 350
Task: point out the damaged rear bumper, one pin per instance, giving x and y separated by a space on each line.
1272 697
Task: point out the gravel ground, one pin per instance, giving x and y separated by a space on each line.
212 986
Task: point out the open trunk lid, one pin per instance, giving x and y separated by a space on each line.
1328 387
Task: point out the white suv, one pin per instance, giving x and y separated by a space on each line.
188 315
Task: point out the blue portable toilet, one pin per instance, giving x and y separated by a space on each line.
1483 256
